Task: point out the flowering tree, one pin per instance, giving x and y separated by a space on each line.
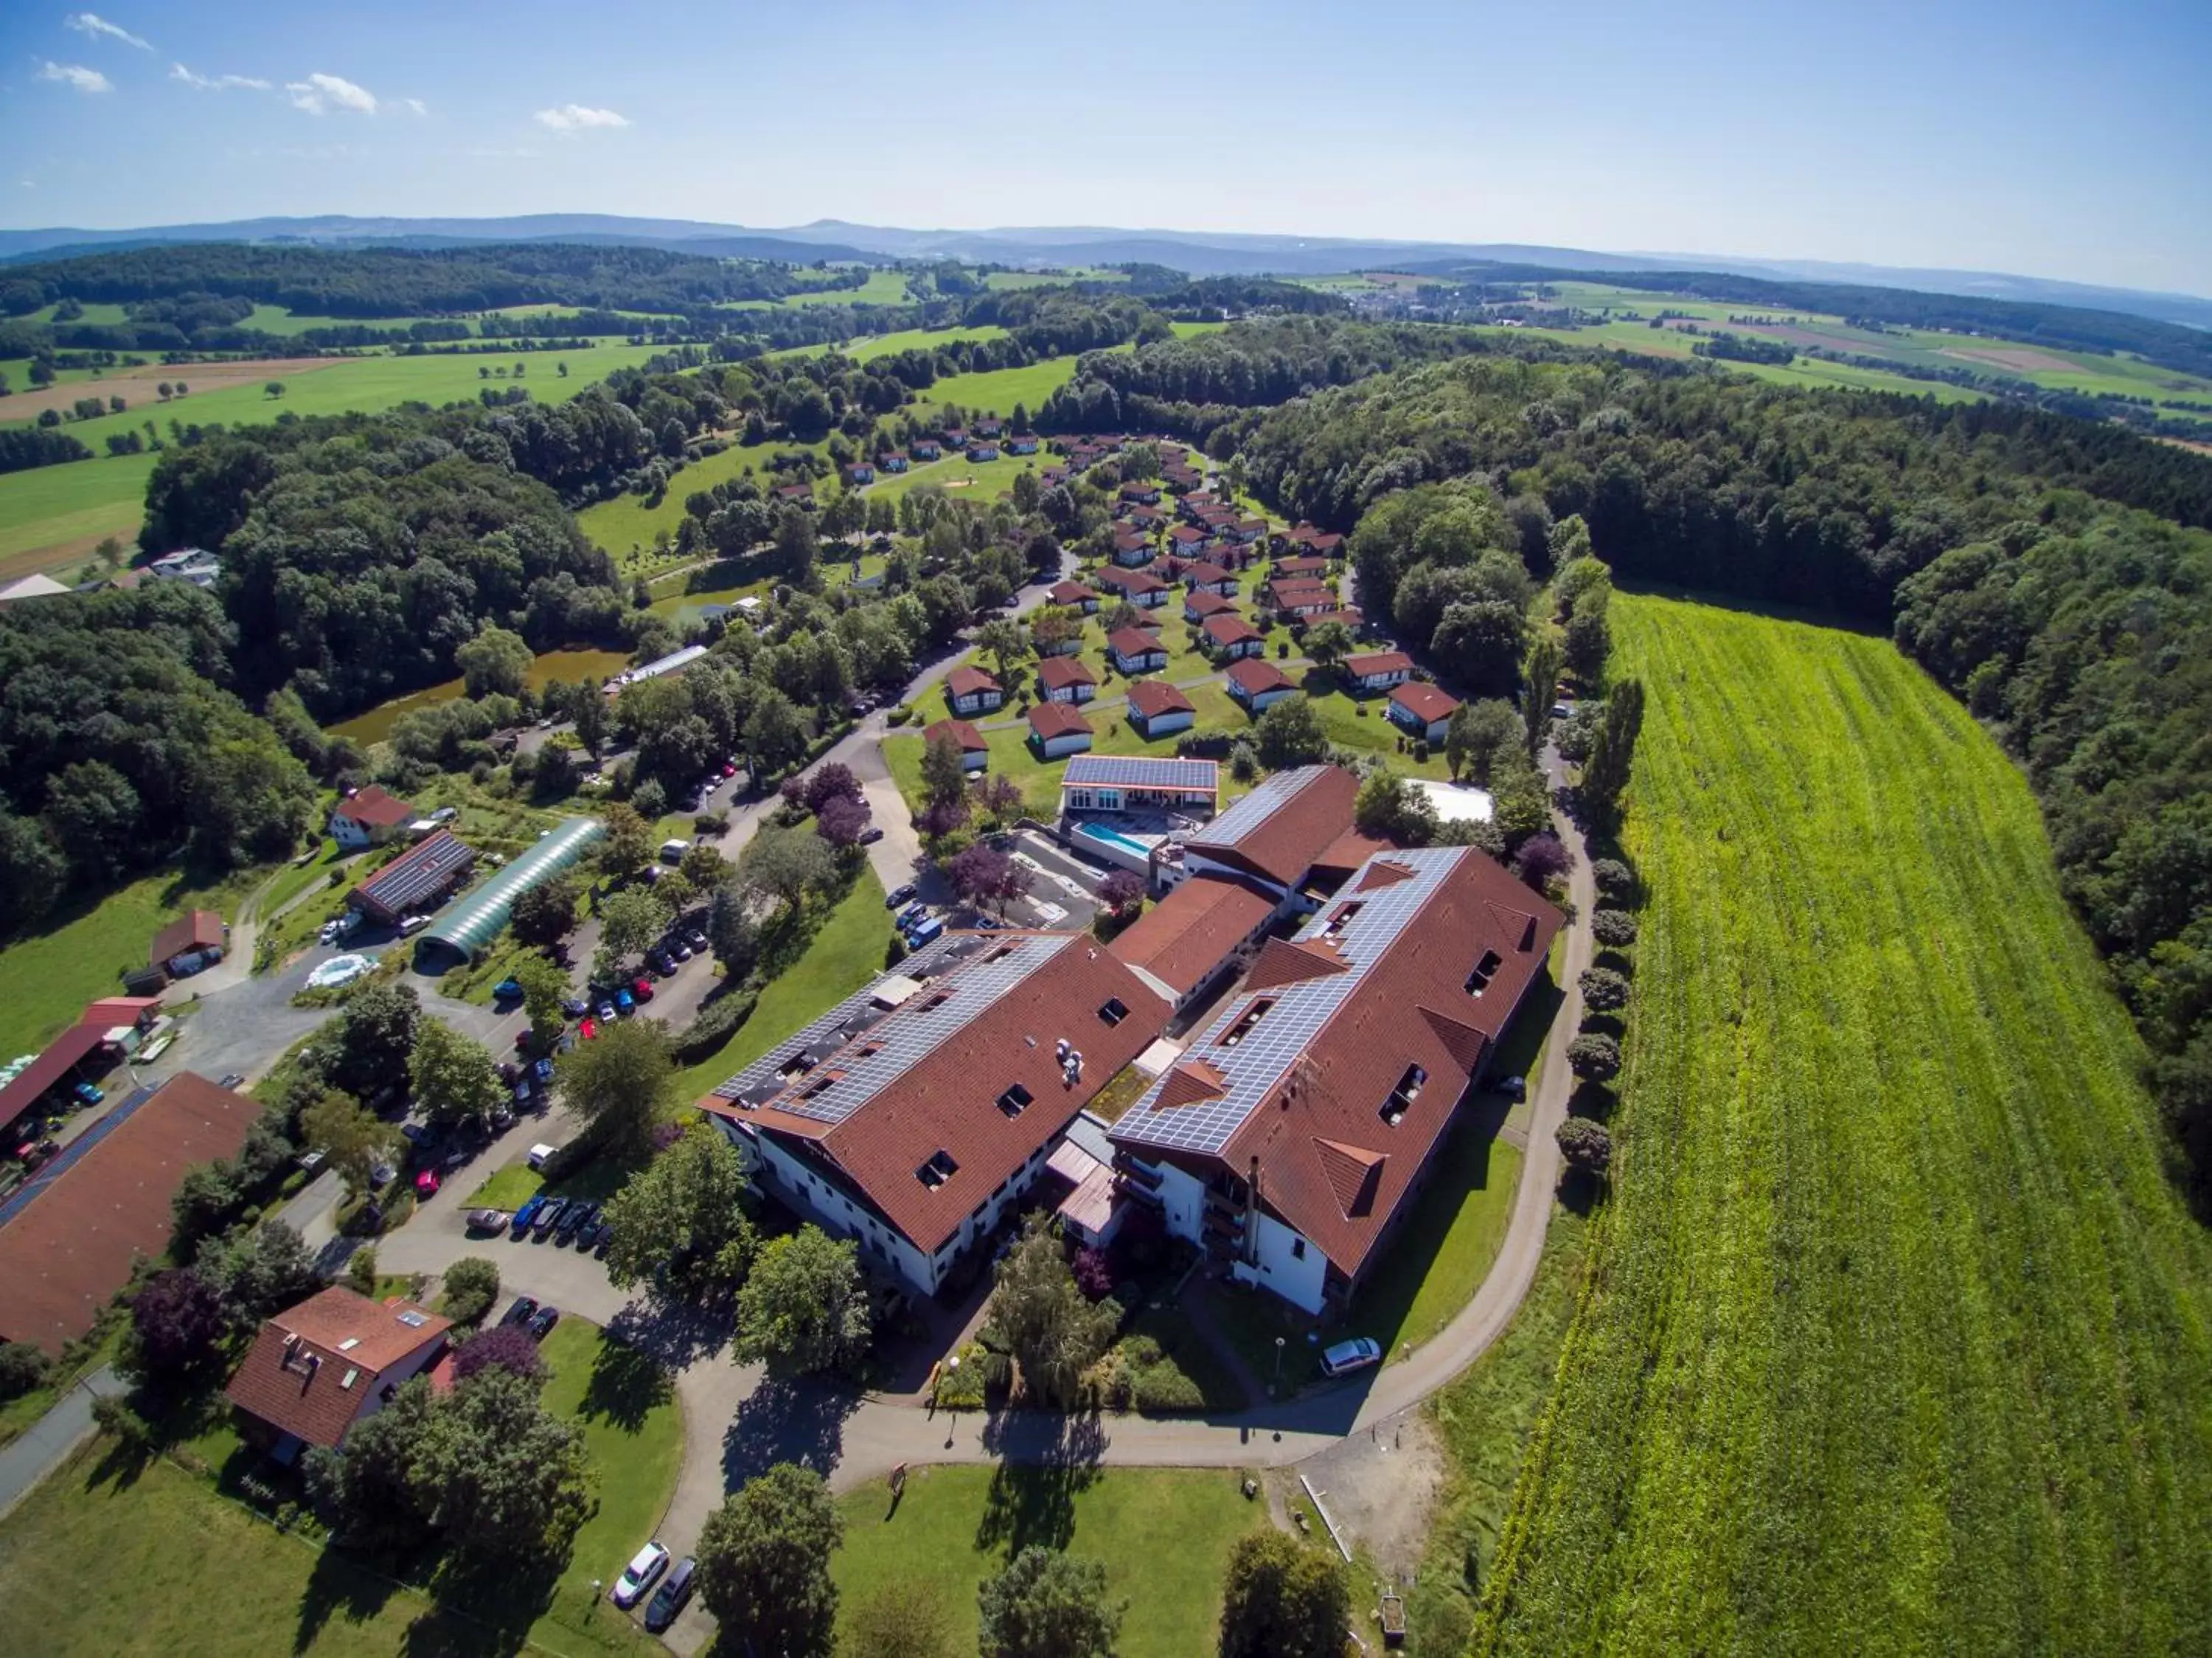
842 820
1122 891
980 876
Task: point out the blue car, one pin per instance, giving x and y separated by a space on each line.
624 1000
88 1094
542 1070
507 990
527 1213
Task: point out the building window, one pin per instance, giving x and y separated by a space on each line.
1336 922
1014 1101
1297 1249
936 1000
1478 980
1114 1011
938 1170
1243 1028
1402 1097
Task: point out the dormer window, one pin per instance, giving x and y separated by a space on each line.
1014 1101
1336 922
1402 1097
1114 1011
938 1170
1243 1028
1485 970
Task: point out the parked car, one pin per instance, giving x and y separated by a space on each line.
606 1012
487 1220
412 925
697 938
381 1175
912 913
668 1600
661 962
543 1320
647 1564
539 1153
1349 1355
642 990
573 1007
588 1028
426 1183
679 949
549 1217
578 1217
233 1080
870 835
922 932
507 990
624 1001
899 895
528 1213
502 1119
1514 1087
521 1313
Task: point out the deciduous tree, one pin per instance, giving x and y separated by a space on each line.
456 1079
1595 1057
351 1137
804 1305
627 847
630 921
178 1322
620 1083
546 913
764 1564
1585 1144
1283 1600
1048 1605
682 1219
471 1286
1290 734
1040 1315
784 864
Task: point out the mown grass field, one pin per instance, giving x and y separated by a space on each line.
1896 1337
1163 1535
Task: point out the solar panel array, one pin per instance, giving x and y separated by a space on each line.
869 1053
1139 771
416 874
1246 816
1258 1063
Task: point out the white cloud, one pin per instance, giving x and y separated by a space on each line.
90 23
77 75
319 94
570 118
217 83
414 105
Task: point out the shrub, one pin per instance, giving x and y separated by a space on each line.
361 1271
22 1367
1541 861
471 1286
1603 989
1094 1273
1595 1057
716 1023
508 1346
1586 1145
1615 928
1613 878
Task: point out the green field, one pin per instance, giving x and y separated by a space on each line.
882 288
1000 280
995 391
56 514
1895 1325
1163 1535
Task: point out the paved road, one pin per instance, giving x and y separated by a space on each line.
46 1444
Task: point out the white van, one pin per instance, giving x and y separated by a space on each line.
673 851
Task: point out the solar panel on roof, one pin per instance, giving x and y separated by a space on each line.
1140 771
1264 1052
416 874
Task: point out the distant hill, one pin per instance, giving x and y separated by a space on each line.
1197 253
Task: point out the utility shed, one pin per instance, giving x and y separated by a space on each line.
481 916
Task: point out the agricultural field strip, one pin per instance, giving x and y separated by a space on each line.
1897 1325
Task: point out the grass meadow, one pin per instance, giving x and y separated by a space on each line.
1894 1324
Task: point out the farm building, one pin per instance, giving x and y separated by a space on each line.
918 1111
1295 1130
1113 783
974 752
191 942
33 587
317 1368
1158 709
970 690
419 877
70 1235
1064 680
480 918
367 816
1056 731
1258 684
1422 710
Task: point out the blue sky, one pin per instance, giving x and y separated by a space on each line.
2059 140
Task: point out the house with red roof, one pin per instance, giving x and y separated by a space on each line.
1378 670
1065 679
921 1111
1234 636
970 690
1056 731
1205 577
974 752
1297 1126
1299 597
1422 710
1073 595
316 1369
1199 605
1157 709
1133 548
1258 684
1133 650
368 816
1137 586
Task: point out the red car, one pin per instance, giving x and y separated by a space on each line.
729 771
642 990
588 1029
426 1183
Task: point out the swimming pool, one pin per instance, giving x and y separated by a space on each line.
1115 838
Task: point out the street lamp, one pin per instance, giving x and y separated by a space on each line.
1278 1361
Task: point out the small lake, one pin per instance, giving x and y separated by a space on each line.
375 725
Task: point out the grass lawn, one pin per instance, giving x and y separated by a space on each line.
1890 1232
508 1188
843 956
995 391
633 1433
47 978
1163 1535
52 515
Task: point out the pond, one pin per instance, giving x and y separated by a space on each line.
570 665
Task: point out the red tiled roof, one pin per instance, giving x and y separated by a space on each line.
1283 846
1253 676
1330 1164
1183 937
1205 575
1133 641
372 805
1153 698
195 930
1208 606
112 1010
71 1247
1071 593
946 1100
1186 534
1306 565
1378 662
1131 580
1300 590
1231 630
970 739
312 1368
1058 672
1348 852
966 681
1051 720
1425 702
